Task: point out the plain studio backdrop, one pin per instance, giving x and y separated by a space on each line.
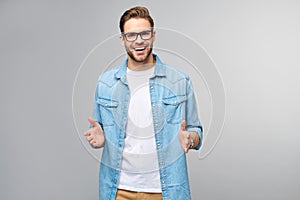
254 45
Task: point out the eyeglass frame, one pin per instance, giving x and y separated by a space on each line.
138 34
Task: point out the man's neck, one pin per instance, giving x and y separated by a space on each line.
140 66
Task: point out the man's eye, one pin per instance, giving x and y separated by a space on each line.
131 35
146 33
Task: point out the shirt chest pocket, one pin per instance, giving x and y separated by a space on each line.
108 110
174 108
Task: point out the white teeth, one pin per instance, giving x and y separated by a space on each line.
139 48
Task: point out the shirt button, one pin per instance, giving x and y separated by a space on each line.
163 182
158 144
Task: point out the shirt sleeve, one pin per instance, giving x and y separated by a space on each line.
96 110
192 119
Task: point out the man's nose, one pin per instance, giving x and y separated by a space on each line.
139 39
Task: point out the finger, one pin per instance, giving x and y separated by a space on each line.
86 133
92 142
183 125
89 138
187 146
92 121
95 143
188 135
186 150
187 143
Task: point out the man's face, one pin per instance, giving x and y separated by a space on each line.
138 46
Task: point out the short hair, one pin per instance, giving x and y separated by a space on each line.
135 12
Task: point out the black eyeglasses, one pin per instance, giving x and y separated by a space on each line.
132 36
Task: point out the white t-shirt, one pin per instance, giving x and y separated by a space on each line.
139 169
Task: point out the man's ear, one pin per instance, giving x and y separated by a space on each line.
122 40
154 35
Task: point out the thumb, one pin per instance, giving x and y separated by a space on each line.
92 121
183 125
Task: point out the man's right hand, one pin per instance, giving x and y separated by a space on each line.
95 134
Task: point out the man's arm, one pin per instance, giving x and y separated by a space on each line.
95 135
190 131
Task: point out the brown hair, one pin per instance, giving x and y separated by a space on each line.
135 12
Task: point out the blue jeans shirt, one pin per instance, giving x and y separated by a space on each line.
172 100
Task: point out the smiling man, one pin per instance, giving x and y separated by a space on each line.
146 120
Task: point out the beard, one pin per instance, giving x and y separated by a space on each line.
132 56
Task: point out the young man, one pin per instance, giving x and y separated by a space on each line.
145 117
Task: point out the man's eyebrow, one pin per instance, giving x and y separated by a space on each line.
149 29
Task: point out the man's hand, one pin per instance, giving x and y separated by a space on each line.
186 136
95 134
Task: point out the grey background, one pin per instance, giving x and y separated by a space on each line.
255 45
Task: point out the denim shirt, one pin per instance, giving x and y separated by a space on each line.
172 100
